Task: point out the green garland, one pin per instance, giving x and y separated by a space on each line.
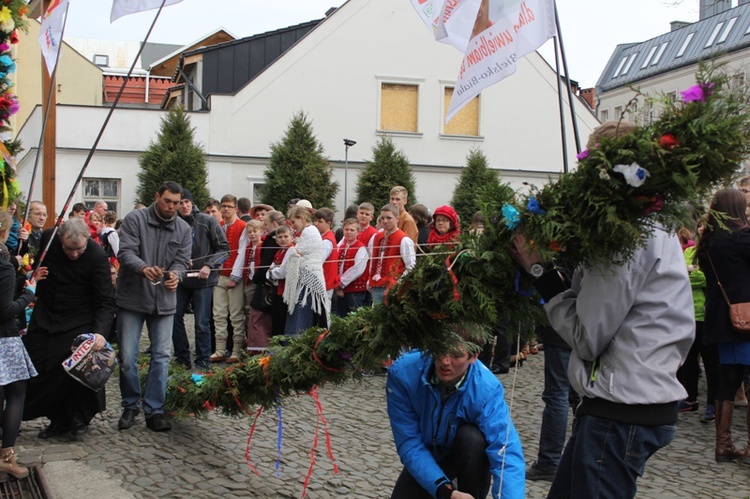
593 215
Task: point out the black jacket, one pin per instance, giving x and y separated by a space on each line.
730 253
10 308
77 295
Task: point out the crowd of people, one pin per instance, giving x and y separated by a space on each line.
622 350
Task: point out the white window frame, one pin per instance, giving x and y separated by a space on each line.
393 80
685 45
109 199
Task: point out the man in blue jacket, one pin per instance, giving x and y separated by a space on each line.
450 422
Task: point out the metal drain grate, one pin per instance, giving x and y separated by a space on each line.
31 487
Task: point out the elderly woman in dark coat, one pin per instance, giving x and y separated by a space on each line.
76 297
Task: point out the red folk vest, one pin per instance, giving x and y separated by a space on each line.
347 261
277 259
233 233
364 236
254 254
331 265
386 259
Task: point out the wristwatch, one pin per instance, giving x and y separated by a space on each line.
536 270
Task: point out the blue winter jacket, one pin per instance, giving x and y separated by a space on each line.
424 427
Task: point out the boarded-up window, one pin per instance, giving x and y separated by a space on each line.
398 107
466 122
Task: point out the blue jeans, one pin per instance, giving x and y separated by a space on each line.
557 396
604 458
202 301
129 327
378 295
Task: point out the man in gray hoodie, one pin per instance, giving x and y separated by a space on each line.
155 247
630 327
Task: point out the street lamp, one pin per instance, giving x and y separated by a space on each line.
347 143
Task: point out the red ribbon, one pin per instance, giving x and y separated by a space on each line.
315 355
454 279
319 419
249 439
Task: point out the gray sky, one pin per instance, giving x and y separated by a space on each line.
590 29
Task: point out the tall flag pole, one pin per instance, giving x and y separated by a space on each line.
568 84
86 163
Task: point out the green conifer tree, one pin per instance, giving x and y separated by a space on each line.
298 169
475 178
387 169
174 156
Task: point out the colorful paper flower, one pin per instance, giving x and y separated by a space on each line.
583 155
635 175
697 93
8 25
668 141
4 14
511 215
555 246
4 47
534 207
14 37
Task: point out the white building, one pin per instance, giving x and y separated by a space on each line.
370 68
667 64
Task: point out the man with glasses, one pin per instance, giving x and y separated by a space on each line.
229 293
155 246
76 297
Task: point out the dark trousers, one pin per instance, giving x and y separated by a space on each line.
689 371
604 458
557 396
468 464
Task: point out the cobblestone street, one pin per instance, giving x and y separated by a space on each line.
206 458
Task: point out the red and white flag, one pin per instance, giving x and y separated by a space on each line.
124 7
493 35
50 36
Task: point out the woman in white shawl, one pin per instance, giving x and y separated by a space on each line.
305 291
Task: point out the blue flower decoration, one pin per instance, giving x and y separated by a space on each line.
534 207
511 215
198 379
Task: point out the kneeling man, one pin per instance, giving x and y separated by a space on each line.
450 422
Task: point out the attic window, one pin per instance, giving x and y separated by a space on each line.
619 67
659 54
713 36
729 27
685 45
630 63
101 60
649 56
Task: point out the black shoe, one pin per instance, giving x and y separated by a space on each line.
78 427
157 422
536 472
127 420
53 429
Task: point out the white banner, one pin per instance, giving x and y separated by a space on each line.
124 7
50 36
492 34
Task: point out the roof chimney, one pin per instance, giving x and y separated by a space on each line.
710 8
675 25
